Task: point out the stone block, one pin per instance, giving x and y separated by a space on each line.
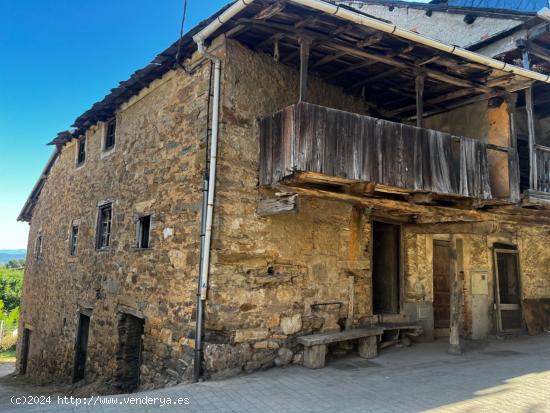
250 334
291 325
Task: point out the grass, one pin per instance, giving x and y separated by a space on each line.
7 356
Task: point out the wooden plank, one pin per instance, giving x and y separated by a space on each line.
513 173
278 206
327 338
266 153
276 134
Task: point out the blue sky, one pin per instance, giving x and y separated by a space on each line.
59 57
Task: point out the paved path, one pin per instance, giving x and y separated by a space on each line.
502 376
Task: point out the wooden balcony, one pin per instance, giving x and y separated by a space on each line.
306 143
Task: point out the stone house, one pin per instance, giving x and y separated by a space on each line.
286 169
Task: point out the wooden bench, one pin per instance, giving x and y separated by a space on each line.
315 345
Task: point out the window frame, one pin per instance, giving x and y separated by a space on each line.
99 232
106 135
73 241
39 246
80 140
139 231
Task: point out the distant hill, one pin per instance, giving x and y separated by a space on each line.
6 255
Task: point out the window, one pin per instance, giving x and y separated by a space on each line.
143 231
104 226
74 240
110 133
81 154
38 247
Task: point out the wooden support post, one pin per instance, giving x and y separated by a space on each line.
314 356
419 86
533 179
513 155
457 282
304 61
368 347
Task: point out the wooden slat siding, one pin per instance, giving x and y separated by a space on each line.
266 154
311 138
424 143
288 138
543 170
277 147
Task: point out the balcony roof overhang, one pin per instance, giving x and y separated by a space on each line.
368 56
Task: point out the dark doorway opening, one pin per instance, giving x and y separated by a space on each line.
442 284
507 289
25 347
130 332
81 348
385 267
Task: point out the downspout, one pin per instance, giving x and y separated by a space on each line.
209 185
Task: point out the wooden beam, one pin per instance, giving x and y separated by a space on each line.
539 51
375 78
270 11
268 41
327 59
419 88
305 42
342 46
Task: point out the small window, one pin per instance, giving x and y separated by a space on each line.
74 240
81 155
38 247
110 134
104 226
143 231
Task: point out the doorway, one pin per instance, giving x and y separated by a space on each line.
507 289
130 332
25 347
81 348
386 239
442 285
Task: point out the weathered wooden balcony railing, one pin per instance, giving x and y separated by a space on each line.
310 138
543 168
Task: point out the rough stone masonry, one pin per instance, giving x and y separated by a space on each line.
272 278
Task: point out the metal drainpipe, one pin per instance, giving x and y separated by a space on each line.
209 186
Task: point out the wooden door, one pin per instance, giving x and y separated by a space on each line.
385 268
81 349
25 347
507 290
442 284
129 356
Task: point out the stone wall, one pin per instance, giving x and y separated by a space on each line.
155 168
